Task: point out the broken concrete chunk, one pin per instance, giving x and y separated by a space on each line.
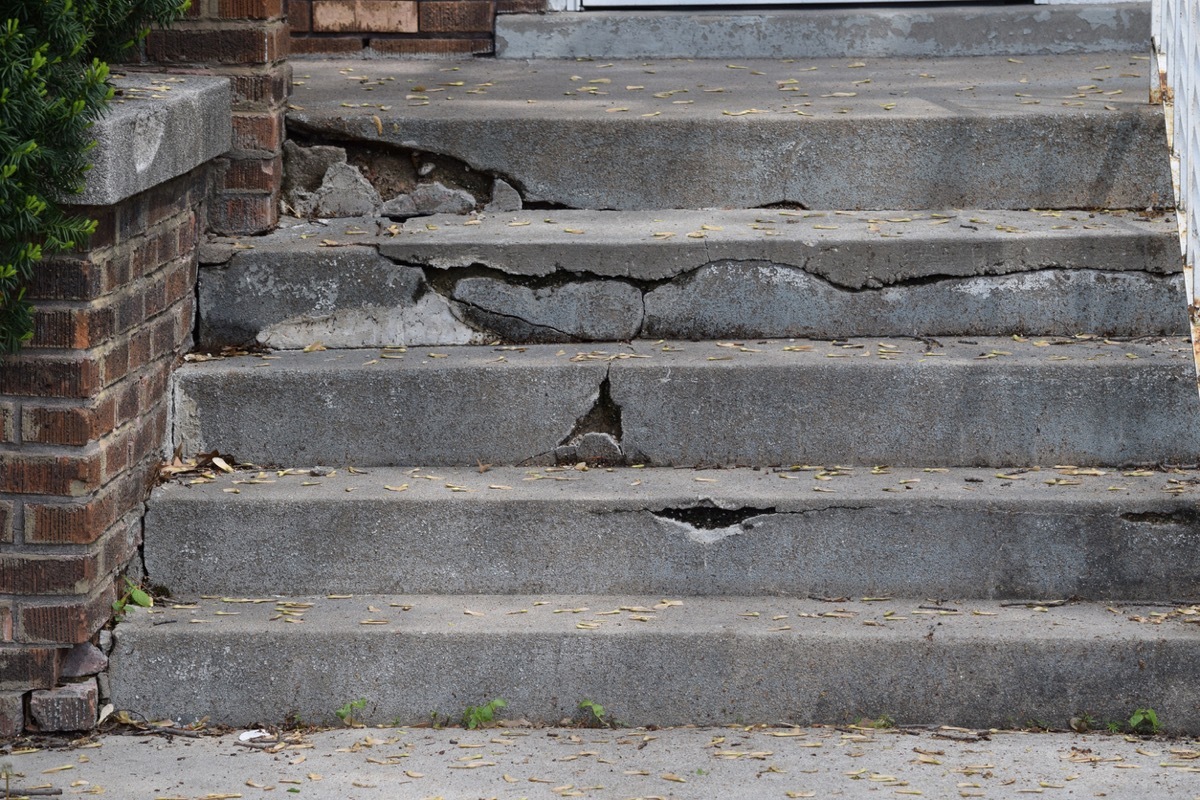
66 708
580 310
504 197
598 448
428 199
84 659
305 167
345 193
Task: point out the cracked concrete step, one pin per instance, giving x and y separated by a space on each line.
707 660
828 32
615 275
1099 534
970 402
912 133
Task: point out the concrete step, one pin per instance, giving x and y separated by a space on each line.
938 31
987 132
612 275
969 402
1099 534
700 660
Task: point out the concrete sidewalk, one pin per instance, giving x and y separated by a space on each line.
525 762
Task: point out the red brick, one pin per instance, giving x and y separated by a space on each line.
457 16
30 375
73 523
78 328
258 131
521 6
65 622
375 16
65 708
8 422
250 174
116 362
6 521
259 89
24 668
299 14
321 45
32 574
69 425
12 714
243 214
6 622
180 280
257 45
250 9
153 384
23 472
62 278
433 47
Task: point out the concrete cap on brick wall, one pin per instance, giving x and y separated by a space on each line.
158 127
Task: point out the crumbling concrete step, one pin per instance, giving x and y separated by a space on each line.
613 275
828 32
991 132
829 532
969 402
687 660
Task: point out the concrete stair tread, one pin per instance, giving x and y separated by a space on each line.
930 30
1046 532
1011 133
696 660
653 245
980 402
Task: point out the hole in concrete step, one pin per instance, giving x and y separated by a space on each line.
708 517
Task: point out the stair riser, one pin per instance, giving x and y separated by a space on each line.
368 301
1017 161
833 33
938 545
646 677
705 405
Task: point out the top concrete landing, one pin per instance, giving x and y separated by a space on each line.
828 32
902 133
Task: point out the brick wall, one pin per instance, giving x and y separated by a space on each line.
394 27
83 418
248 41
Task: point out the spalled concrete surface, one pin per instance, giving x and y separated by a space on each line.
851 250
839 133
831 532
652 660
158 127
604 276
828 32
292 288
985 402
738 762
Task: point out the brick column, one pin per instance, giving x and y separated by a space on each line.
84 406
248 41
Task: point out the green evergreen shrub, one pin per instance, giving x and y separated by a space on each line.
53 85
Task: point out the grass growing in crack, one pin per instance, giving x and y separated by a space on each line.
1144 721
479 716
594 715
348 713
133 594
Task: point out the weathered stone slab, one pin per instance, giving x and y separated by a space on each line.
160 127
